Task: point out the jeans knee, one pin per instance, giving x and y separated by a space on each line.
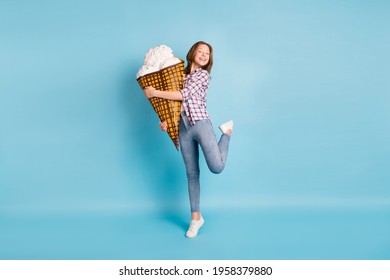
193 175
216 169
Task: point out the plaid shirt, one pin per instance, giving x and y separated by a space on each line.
194 95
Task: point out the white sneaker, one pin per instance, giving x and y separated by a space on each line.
226 126
194 227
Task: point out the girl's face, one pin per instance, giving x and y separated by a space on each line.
202 56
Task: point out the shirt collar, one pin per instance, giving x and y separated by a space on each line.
197 70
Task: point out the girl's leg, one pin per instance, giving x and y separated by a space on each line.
190 152
215 153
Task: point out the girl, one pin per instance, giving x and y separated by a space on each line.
195 126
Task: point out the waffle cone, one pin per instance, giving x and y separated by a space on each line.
167 79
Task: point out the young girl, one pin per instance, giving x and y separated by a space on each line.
195 126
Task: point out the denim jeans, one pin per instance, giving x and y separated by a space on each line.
191 137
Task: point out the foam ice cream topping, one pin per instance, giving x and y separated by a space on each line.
156 59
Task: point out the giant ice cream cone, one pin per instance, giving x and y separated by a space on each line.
167 79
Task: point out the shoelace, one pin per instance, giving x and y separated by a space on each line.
193 225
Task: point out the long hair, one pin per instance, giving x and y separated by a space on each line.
191 55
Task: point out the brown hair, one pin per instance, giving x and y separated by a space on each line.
191 55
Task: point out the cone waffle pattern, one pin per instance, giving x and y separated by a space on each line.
167 79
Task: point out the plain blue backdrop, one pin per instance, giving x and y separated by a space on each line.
85 173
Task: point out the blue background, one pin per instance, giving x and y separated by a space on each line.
85 172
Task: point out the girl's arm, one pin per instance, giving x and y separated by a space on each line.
171 95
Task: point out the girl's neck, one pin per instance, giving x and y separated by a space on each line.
193 69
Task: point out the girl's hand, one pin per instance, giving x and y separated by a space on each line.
164 126
149 92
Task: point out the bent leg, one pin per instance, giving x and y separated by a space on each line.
215 153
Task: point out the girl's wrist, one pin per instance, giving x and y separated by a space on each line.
155 93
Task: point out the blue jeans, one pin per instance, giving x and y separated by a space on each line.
191 137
